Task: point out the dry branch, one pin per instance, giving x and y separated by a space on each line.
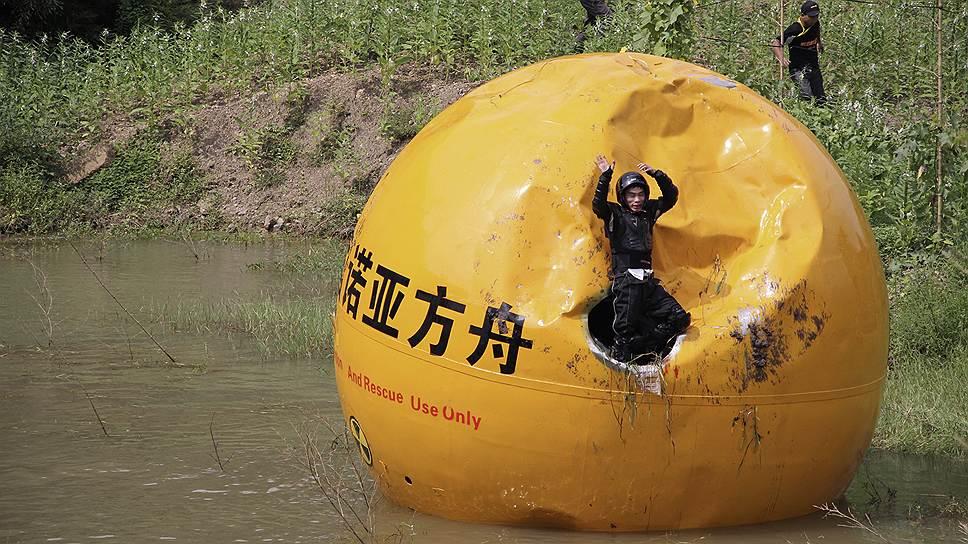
211 432
97 415
108 291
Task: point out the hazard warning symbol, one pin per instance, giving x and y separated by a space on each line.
360 438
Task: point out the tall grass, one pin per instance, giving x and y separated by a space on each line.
925 407
281 327
294 320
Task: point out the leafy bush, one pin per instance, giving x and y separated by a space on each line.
660 27
401 123
335 138
32 200
136 185
297 106
338 216
929 310
266 151
126 181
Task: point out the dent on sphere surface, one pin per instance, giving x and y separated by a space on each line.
767 248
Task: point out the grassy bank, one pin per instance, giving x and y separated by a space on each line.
144 91
925 406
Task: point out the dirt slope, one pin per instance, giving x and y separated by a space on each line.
300 158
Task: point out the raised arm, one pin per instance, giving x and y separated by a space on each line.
600 200
670 193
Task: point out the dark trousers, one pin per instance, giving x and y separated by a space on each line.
809 81
646 316
595 9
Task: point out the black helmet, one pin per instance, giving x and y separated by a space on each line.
627 181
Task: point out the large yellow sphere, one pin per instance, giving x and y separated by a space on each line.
475 380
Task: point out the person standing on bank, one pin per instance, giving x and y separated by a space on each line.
647 317
803 39
594 9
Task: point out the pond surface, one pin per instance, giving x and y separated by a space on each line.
71 360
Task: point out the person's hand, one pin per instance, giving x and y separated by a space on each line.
602 163
645 168
785 63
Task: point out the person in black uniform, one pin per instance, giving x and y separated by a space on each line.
594 9
803 39
647 318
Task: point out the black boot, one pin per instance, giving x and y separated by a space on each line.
621 352
677 323
645 345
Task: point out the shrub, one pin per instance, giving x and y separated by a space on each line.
266 151
401 123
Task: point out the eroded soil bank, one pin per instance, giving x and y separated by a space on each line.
299 158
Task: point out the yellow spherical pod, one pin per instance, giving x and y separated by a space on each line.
471 340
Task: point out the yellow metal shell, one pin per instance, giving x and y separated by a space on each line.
482 233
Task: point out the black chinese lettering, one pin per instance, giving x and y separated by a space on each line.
363 262
436 302
487 335
385 300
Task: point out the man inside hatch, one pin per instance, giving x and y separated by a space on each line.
803 38
647 318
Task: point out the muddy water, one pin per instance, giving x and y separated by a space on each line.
155 475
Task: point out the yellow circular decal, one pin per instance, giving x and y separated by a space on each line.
360 438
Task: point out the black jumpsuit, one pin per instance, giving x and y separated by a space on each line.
646 316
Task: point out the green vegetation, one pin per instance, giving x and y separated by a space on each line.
138 189
288 327
884 125
335 137
297 105
266 151
293 320
401 123
338 215
926 397
320 261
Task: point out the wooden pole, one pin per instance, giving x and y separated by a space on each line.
781 38
939 110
